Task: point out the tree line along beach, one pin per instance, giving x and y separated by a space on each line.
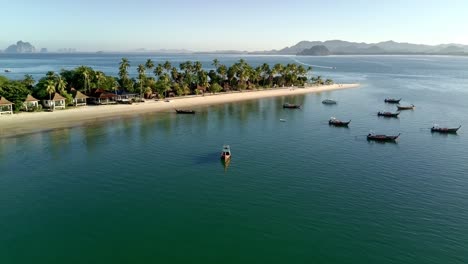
160 87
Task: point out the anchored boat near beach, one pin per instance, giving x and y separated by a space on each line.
291 106
444 130
392 100
335 122
388 114
405 107
382 138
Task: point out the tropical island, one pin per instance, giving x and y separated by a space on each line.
150 91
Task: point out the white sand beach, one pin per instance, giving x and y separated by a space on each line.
25 123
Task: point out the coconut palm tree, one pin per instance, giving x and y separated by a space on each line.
197 66
86 80
175 74
149 64
167 66
158 71
50 89
215 63
141 77
61 84
125 81
99 75
222 70
28 81
123 68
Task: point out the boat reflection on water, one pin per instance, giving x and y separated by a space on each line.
226 164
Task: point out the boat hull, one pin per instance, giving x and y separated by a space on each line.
388 114
445 130
392 101
339 123
185 112
292 106
405 107
382 138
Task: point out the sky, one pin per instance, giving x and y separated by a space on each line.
207 25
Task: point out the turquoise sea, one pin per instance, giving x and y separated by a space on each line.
151 188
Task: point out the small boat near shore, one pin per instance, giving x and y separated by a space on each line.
226 153
291 106
181 111
329 101
382 138
392 100
444 130
388 114
7 70
335 122
406 107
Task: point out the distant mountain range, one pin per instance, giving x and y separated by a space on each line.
20 47
340 47
312 48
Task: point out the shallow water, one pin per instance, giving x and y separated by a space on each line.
152 188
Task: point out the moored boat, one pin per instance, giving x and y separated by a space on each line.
444 130
382 138
335 122
292 106
180 111
405 107
388 114
392 100
7 70
226 153
329 101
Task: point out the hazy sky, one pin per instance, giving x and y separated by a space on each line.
90 25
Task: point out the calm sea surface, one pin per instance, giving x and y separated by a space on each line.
151 188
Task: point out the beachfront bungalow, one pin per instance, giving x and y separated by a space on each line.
57 101
101 97
6 107
30 103
124 96
79 99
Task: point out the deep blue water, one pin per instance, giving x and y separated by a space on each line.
151 188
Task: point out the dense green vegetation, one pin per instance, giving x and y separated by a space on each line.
160 80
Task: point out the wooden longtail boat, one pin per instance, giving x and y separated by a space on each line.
291 106
179 111
444 130
392 100
226 153
329 101
405 107
335 122
382 138
388 114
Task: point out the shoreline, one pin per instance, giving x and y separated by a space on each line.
28 123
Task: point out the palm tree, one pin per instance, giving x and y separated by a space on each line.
158 71
123 74
50 75
141 77
61 84
175 74
167 66
86 80
50 89
222 70
28 81
99 76
123 68
149 64
215 63
197 66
